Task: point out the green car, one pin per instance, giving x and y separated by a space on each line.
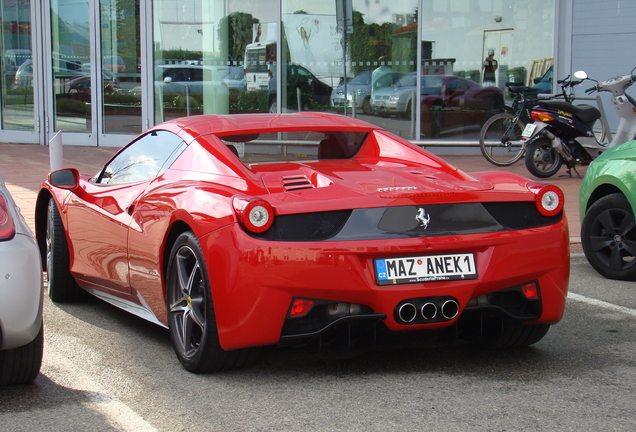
607 204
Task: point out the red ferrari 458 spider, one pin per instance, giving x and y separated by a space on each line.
240 231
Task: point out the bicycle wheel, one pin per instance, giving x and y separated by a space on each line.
500 139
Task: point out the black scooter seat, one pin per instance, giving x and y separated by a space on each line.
587 113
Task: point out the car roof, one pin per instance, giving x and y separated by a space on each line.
233 124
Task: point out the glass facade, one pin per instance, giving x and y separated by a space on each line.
17 110
423 69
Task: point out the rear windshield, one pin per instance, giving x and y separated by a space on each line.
294 146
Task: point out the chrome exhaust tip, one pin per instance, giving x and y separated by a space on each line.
450 309
428 311
407 312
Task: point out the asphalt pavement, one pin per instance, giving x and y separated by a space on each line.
25 166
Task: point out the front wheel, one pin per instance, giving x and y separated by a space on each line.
542 160
191 317
608 236
500 139
61 284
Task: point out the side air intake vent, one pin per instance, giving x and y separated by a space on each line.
296 183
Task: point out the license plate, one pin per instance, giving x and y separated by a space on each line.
529 129
426 268
338 100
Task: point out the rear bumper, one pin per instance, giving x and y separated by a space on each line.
254 282
21 291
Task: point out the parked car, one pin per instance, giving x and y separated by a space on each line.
24 75
313 90
114 64
235 78
308 229
543 84
463 101
359 89
607 201
192 78
459 102
21 296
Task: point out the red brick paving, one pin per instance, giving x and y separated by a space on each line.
25 166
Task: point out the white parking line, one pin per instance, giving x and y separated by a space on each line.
602 304
118 414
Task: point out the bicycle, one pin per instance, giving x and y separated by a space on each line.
500 137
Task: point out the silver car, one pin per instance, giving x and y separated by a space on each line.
21 298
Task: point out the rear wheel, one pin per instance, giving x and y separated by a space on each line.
21 365
191 316
61 284
608 236
500 139
542 160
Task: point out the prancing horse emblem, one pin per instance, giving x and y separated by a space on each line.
423 217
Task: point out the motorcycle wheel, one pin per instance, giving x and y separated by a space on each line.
542 160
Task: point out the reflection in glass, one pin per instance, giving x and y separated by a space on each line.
482 48
71 65
17 66
121 66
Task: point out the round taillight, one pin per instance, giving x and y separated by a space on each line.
549 200
255 215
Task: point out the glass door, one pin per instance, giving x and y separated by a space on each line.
18 94
70 69
94 71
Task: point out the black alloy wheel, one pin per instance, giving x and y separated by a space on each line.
191 318
61 284
608 235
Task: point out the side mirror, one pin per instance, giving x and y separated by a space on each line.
67 178
580 75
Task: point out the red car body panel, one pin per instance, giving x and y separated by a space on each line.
118 235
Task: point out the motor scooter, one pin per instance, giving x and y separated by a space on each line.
563 132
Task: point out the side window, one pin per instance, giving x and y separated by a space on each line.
143 159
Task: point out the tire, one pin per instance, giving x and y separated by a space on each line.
408 113
191 317
21 365
500 139
608 236
512 334
542 160
61 284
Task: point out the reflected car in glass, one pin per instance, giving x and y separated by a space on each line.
607 201
21 296
314 93
306 229
466 101
359 89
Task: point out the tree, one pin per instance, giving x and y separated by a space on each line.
235 32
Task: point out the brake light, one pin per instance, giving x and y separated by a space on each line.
549 198
7 226
254 214
542 116
530 291
300 307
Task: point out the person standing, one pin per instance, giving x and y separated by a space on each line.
490 66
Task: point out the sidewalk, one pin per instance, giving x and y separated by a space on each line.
25 166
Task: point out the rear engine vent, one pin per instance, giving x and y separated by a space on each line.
296 183
306 226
